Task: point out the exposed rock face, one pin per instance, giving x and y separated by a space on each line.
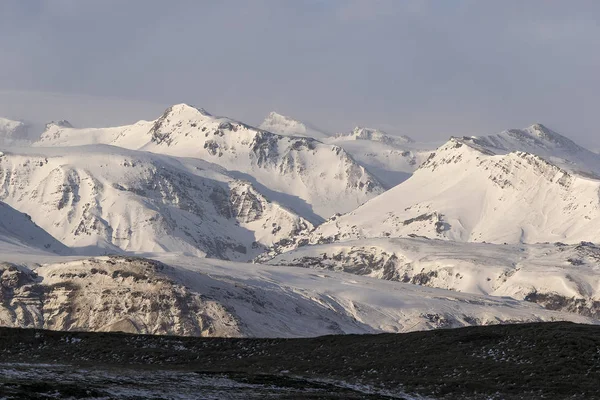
246 204
109 294
553 301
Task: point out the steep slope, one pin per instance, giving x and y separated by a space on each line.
13 131
288 126
314 179
557 276
108 199
199 297
465 192
18 231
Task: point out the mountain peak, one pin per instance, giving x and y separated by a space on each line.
540 140
63 123
377 135
288 126
470 142
185 108
538 127
9 123
278 123
276 115
542 132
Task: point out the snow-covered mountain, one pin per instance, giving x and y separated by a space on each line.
392 159
375 135
288 126
557 276
211 298
17 231
63 134
13 131
107 199
191 185
292 169
466 192
544 142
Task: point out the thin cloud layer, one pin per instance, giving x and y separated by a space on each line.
425 68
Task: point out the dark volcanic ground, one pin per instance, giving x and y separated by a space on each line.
528 361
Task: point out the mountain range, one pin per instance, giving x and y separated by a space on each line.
466 191
149 228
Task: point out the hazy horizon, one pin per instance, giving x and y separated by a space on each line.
427 69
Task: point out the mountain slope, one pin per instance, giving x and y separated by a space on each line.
557 276
108 199
293 169
210 298
18 231
465 192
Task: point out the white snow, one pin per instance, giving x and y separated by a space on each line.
233 299
569 271
391 159
293 169
464 192
19 234
109 199
539 140
191 185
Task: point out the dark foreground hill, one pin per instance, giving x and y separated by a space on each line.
528 361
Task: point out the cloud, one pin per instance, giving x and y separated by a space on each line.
424 68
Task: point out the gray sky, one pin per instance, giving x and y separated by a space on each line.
428 69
